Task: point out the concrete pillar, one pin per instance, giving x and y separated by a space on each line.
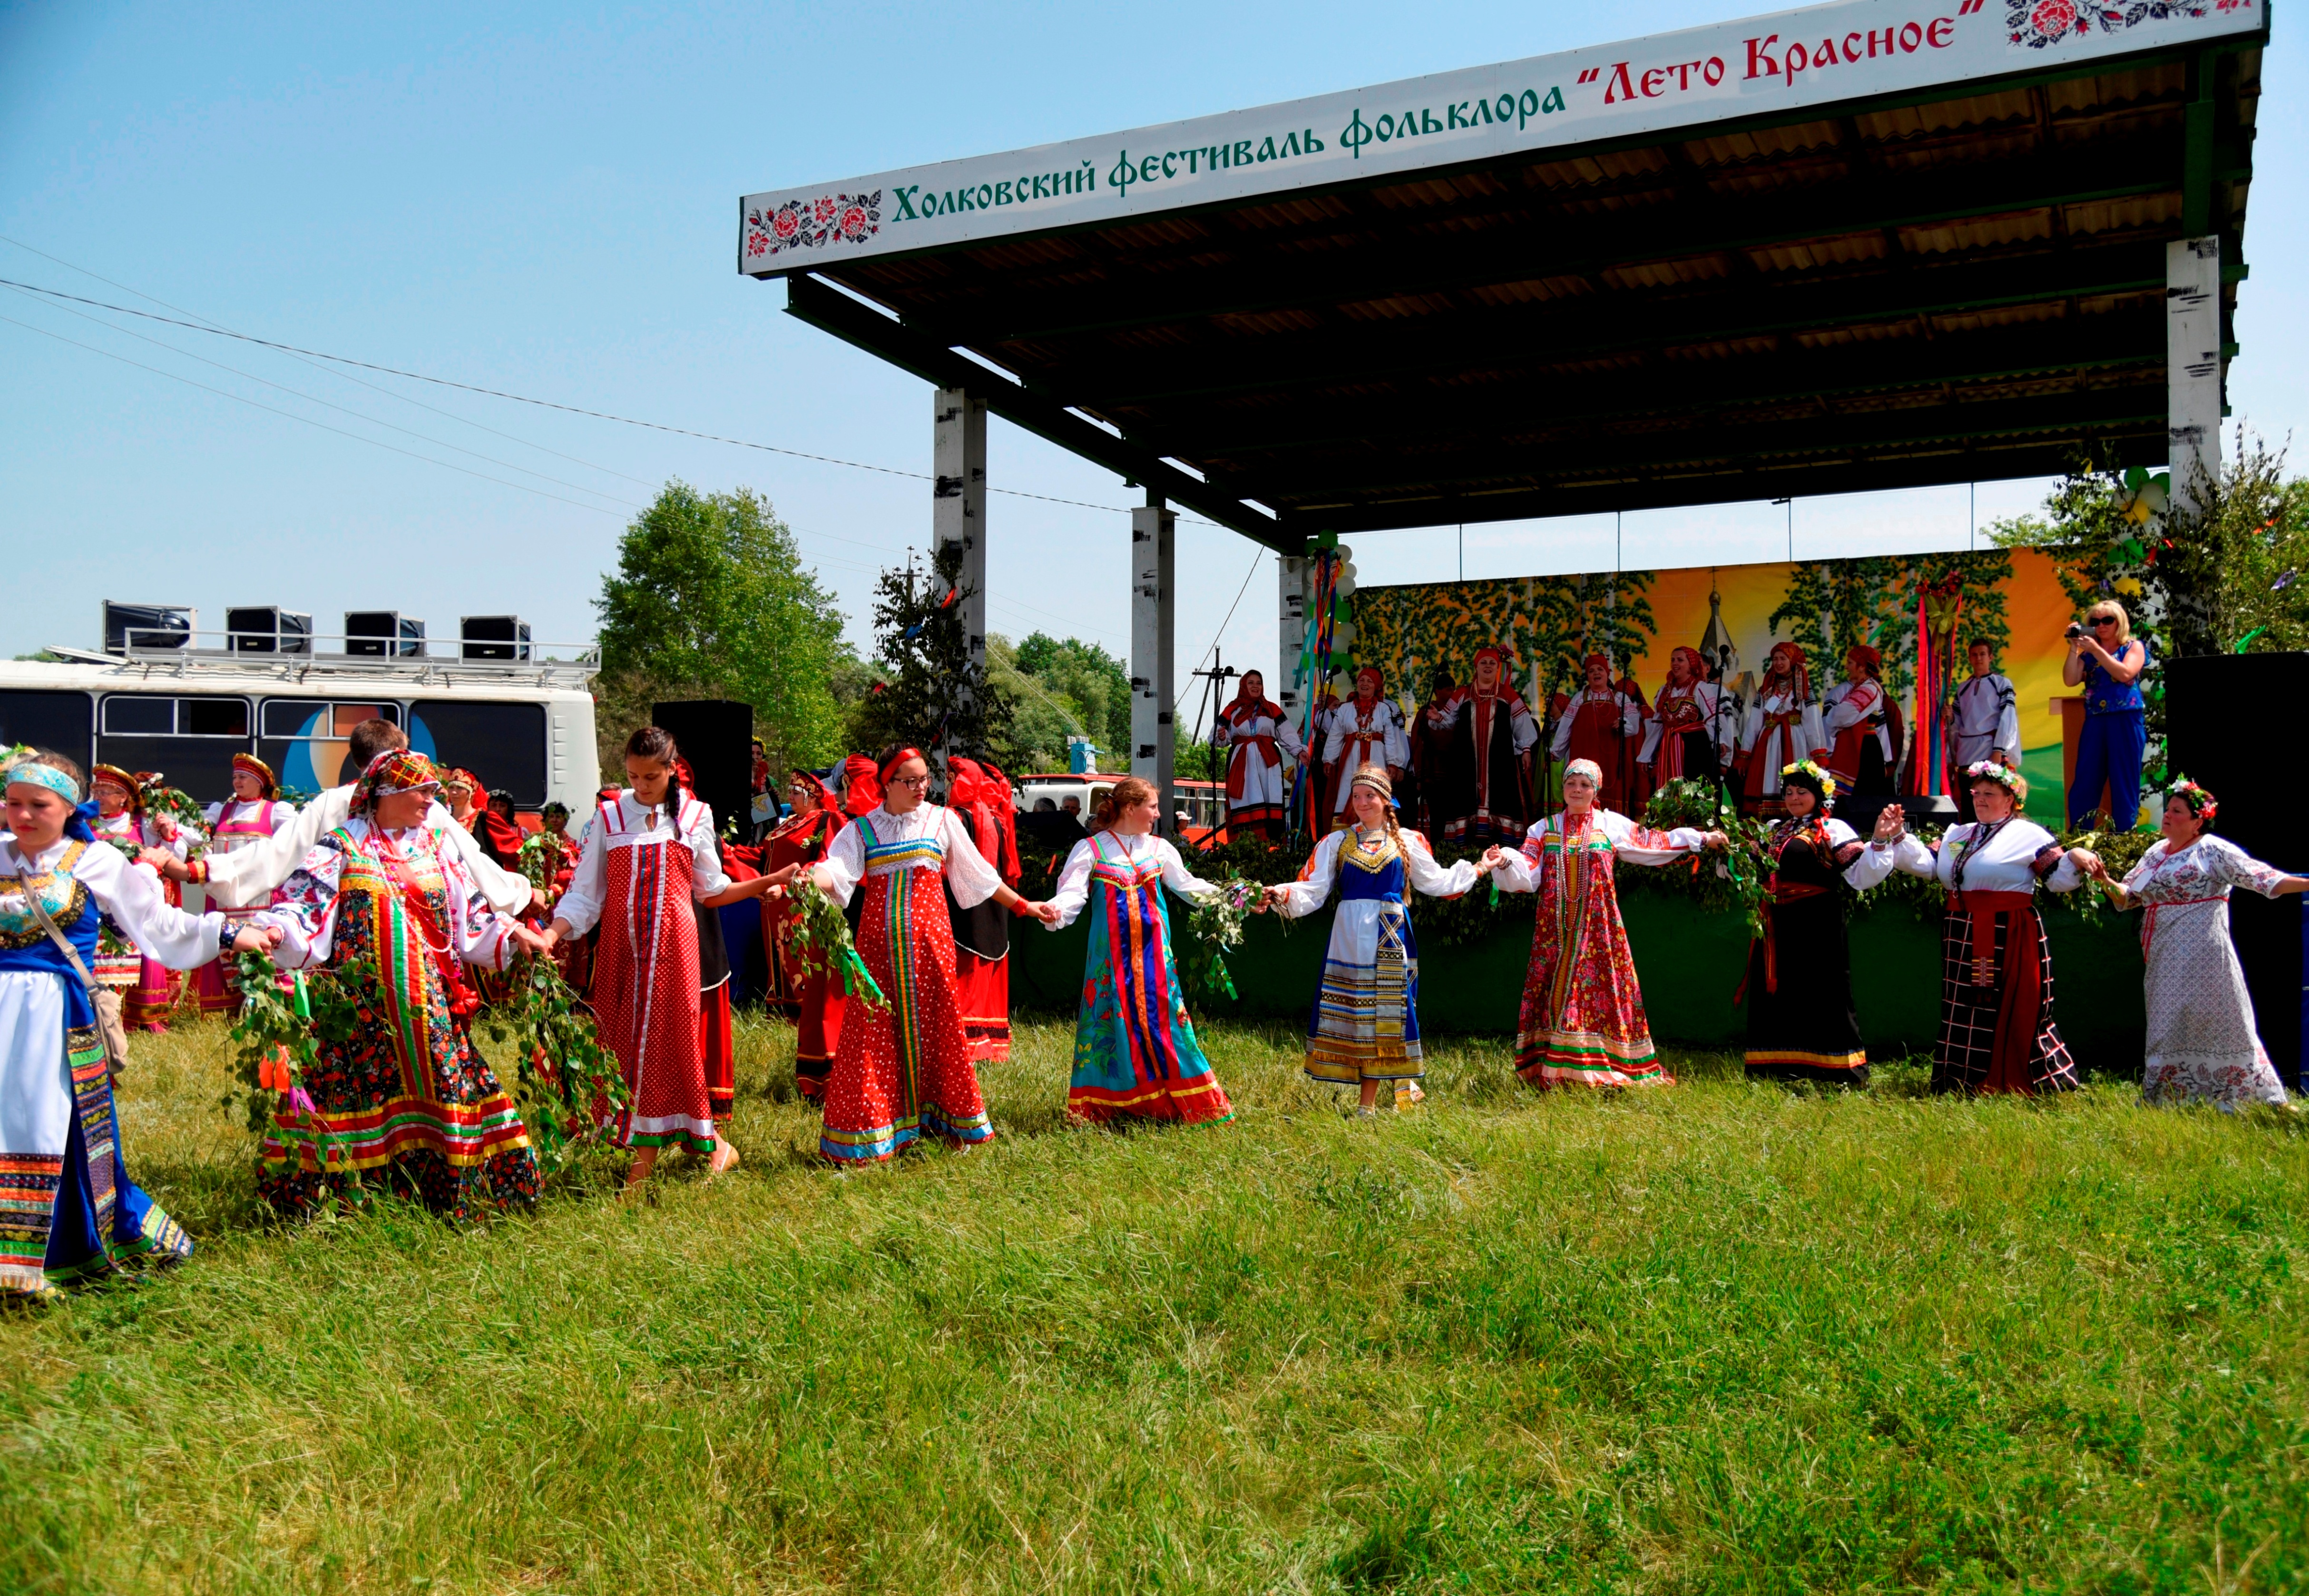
1153 628
1291 635
958 501
2192 364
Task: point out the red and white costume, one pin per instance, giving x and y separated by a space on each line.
1783 727
1262 753
1856 714
234 826
981 795
1364 732
1492 733
1602 724
640 874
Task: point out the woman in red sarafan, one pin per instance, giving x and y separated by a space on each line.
904 1072
814 999
649 859
981 795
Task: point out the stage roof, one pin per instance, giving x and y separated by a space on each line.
1862 246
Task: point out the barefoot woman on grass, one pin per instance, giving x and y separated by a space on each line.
904 1072
649 855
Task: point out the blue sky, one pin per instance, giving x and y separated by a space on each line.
543 199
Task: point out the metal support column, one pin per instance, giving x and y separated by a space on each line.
1291 632
958 501
1153 626
2192 364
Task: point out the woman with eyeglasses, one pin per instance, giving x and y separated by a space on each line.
903 1073
2106 659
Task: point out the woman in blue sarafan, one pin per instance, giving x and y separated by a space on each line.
68 1210
1365 1027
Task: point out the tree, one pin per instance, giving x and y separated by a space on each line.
1053 690
711 600
932 691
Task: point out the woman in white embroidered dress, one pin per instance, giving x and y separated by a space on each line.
2202 1046
68 1210
252 814
1365 1025
1262 753
1997 1033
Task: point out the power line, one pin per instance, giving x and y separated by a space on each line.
575 410
1256 562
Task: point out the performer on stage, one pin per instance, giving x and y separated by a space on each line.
1582 1022
1365 730
1997 1033
2203 1046
2106 659
406 1095
1491 733
1262 753
814 998
1783 727
1600 725
1856 730
904 1072
1136 1057
1430 738
68 1210
252 814
650 861
1364 1030
121 817
980 796
1687 735
1986 721
1799 984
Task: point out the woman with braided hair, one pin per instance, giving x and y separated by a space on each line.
1365 1025
1798 985
2203 1044
1997 1032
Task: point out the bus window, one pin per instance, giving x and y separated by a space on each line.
189 741
503 744
303 739
59 720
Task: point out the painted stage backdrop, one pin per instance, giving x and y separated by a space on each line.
1906 606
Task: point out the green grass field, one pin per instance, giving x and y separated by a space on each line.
1717 1337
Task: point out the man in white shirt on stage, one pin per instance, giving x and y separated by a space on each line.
1986 722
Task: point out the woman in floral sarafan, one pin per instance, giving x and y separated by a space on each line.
1583 1020
2202 1046
1135 1056
405 1098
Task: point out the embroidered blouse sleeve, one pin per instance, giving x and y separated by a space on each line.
838 875
508 891
1286 736
262 866
1308 894
1177 876
589 886
2145 867
970 877
1073 889
706 872
1640 845
1910 855
479 929
1864 866
1523 731
305 908
1559 745
2232 864
2008 718
1420 867
2063 876
1519 867
142 910
1398 740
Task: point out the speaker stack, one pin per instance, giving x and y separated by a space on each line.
2227 730
716 736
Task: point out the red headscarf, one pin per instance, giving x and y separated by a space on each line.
1866 655
983 801
1799 673
863 780
1248 706
1006 808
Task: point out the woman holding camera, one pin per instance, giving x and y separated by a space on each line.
2106 659
2202 1046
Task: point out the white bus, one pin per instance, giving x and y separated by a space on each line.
186 704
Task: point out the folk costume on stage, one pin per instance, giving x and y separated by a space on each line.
147 998
1857 726
1986 723
1798 988
1997 1029
1135 1056
1262 753
979 795
904 1072
68 1210
1364 1026
1365 730
1783 727
1582 1019
812 997
235 824
1687 735
1602 724
407 1096
1428 737
643 868
1492 733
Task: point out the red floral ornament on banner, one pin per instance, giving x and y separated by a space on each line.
2036 24
805 224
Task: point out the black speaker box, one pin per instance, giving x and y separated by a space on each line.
2224 731
716 736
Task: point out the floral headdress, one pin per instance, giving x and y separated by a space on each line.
1586 768
395 770
2004 775
2199 801
1810 773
